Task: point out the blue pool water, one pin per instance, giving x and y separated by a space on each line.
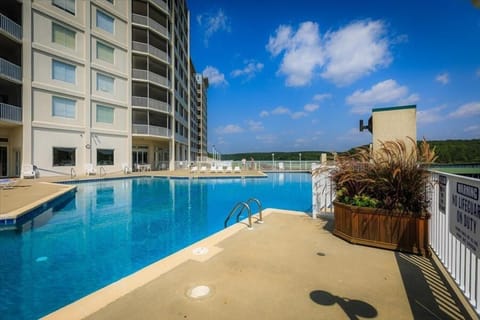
112 228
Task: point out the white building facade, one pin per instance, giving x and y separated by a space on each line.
103 82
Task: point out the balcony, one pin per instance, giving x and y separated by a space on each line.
10 113
146 129
10 71
150 76
148 48
150 103
162 4
11 28
154 25
181 139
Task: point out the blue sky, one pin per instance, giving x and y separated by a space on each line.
297 76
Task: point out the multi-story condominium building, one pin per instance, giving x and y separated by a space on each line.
100 82
10 88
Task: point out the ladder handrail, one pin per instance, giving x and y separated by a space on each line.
259 205
104 171
243 205
73 174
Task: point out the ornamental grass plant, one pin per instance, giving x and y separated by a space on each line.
395 178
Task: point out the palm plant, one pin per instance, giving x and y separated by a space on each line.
394 178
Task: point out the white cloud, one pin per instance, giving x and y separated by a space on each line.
354 135
302 52
229 129
430 115
381 94
266 138
280 110
255 125
212 23
321 96
215 77
298 115
345 55
301 142
472 129
264 114
443 78
310 107
355 51
249 71
467 110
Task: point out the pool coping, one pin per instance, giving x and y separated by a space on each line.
10 218
200 251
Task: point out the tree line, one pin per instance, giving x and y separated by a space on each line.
448 151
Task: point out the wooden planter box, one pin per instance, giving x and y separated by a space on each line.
382 229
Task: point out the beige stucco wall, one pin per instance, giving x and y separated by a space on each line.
396 123
41 130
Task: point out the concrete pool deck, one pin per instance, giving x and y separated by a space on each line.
290 267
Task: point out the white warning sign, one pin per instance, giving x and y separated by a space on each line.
465 212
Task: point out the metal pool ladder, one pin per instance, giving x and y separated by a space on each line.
242 205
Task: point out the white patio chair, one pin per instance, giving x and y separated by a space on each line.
29 171
90 169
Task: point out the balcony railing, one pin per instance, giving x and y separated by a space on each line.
146 21
10 113
162 4
181 139
148 48
10 27
10 70
151 103
151 130
150 76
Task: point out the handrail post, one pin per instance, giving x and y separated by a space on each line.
238 205
259 204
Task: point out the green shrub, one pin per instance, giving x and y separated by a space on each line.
395 178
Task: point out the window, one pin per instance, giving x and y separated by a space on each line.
63 107
105 52
63 71
111 1
104 83
104 21
63 36
63 156
104 157
67 5
104 114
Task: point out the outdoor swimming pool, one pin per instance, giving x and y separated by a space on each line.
112 228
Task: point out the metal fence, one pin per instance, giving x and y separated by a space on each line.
458 256
454 230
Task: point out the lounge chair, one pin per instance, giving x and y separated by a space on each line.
281 166
193 169
7 183
203 169
213 169
126 169
90 169
228 169
29 171
237 169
